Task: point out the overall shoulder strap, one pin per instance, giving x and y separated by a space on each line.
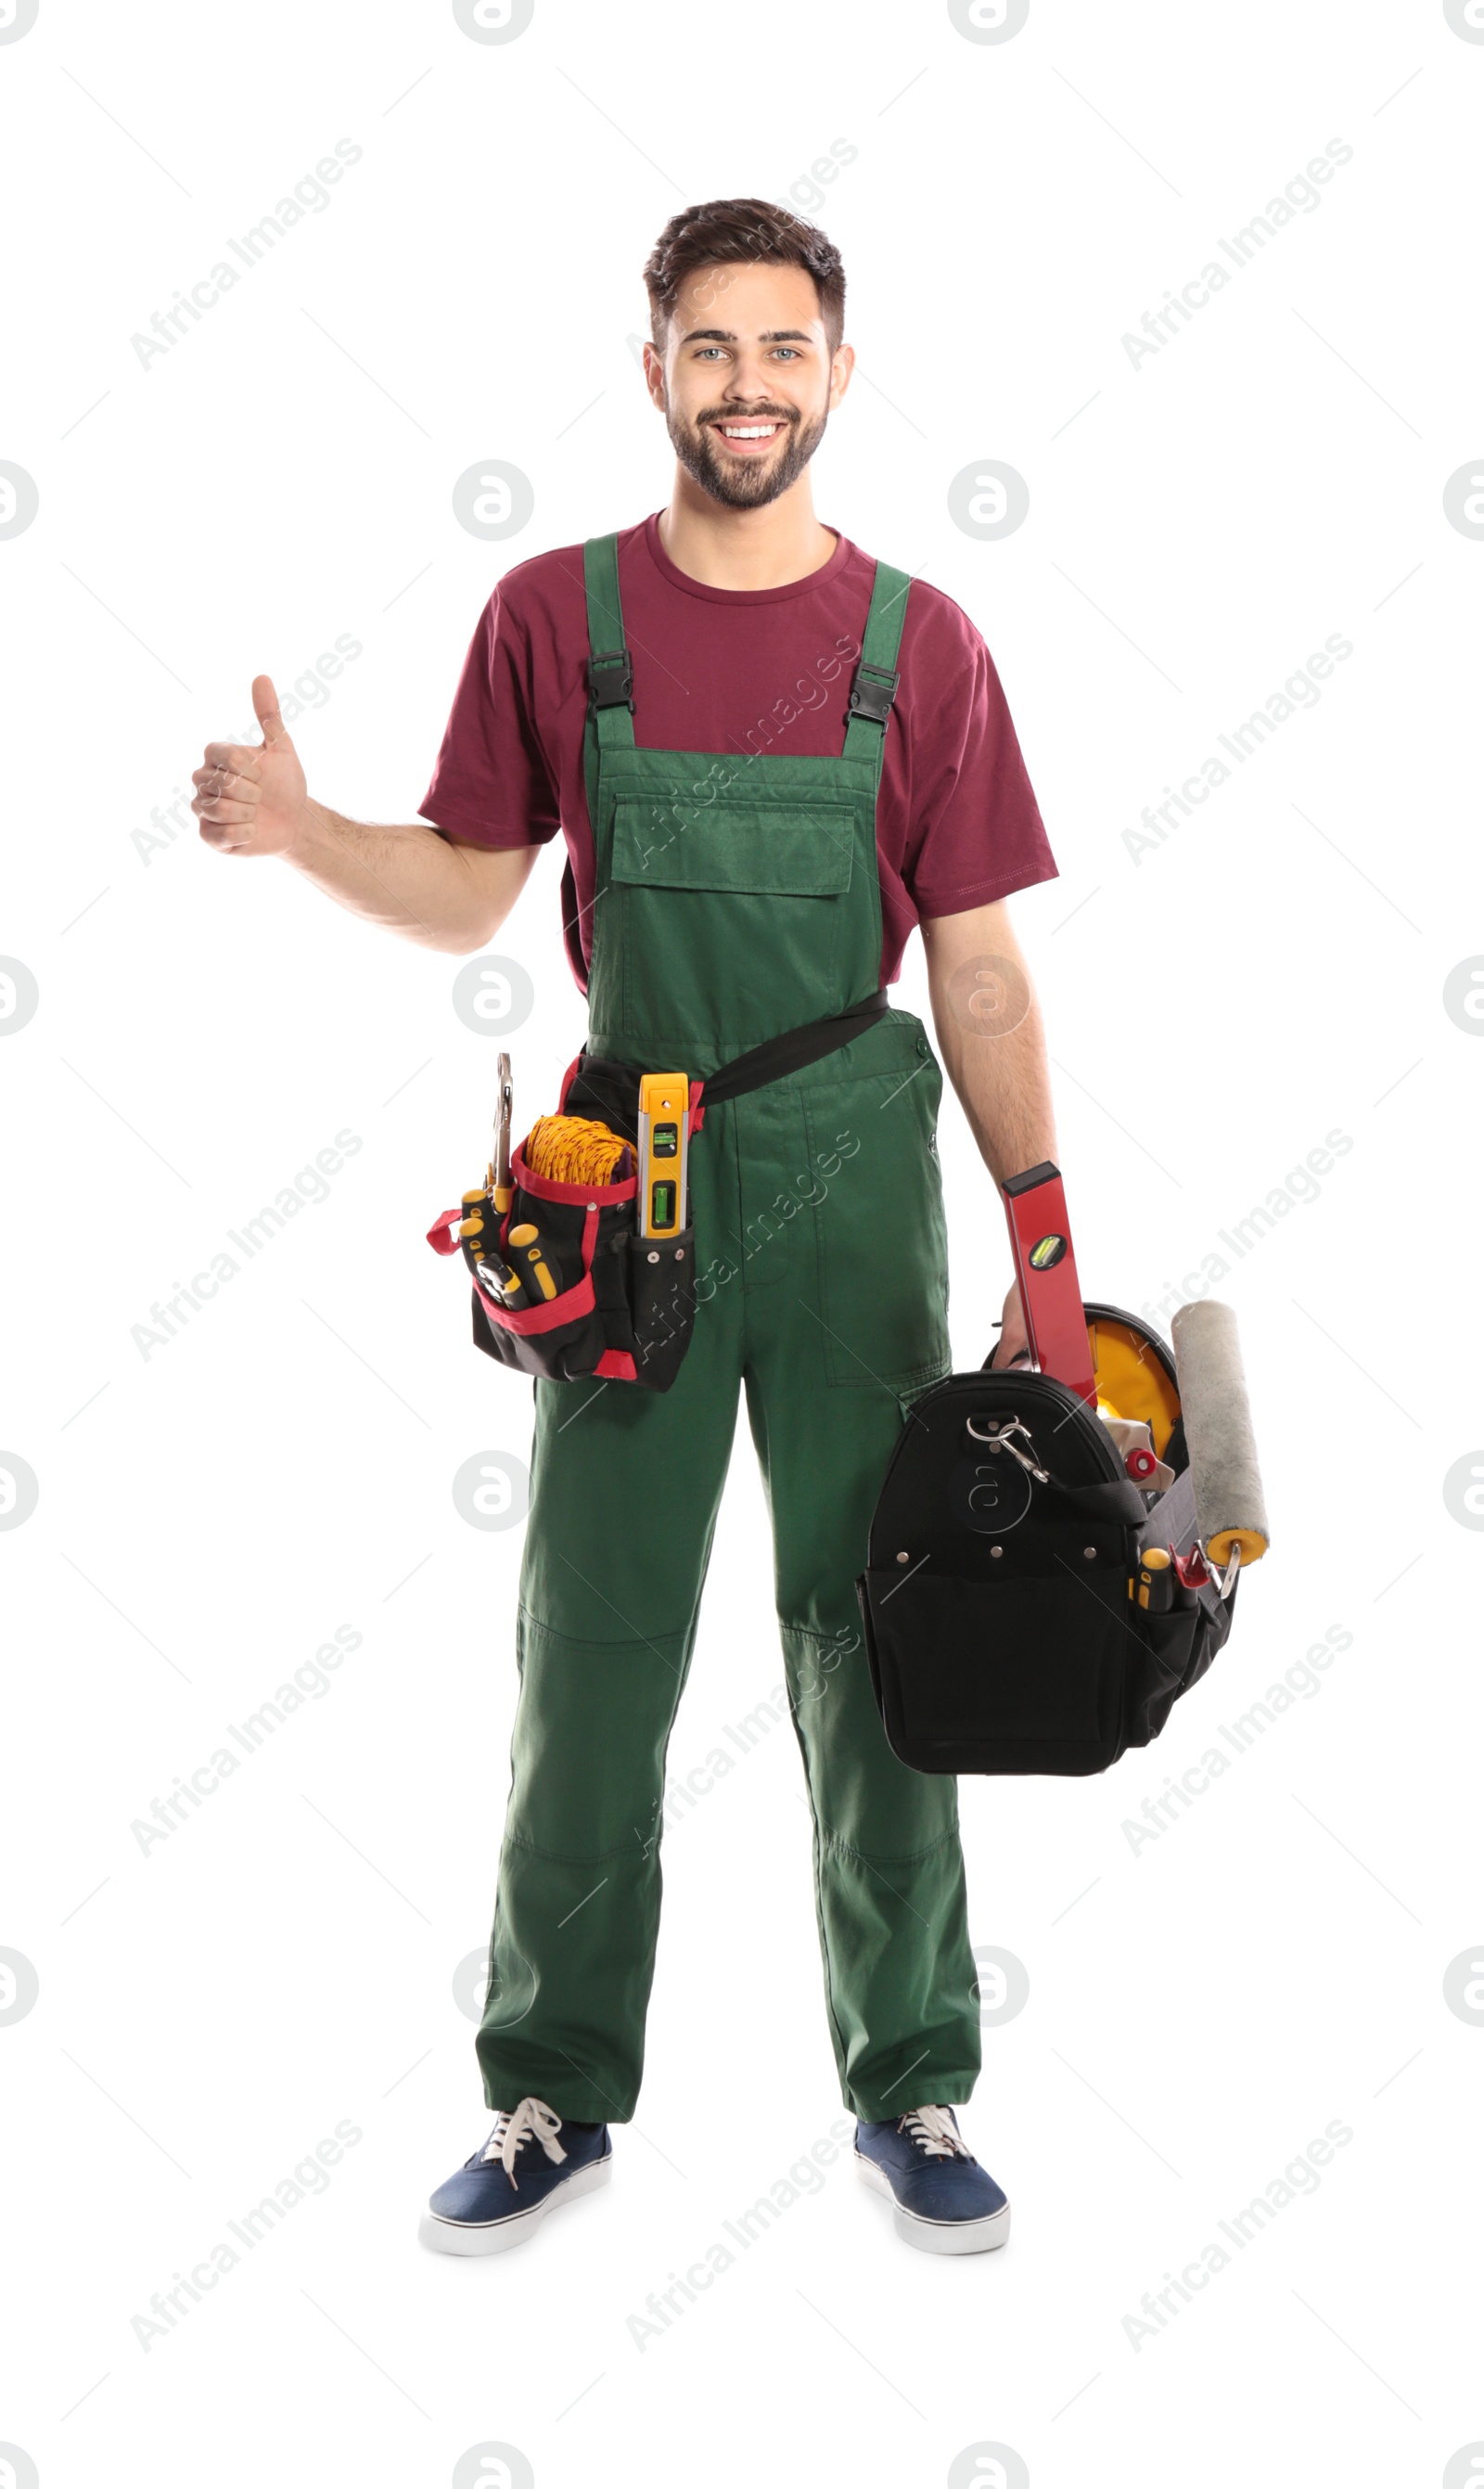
609 667
874 684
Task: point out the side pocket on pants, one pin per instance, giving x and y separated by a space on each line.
881 1235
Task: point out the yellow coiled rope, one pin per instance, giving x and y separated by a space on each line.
568 1149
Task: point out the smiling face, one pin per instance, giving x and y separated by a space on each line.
748 379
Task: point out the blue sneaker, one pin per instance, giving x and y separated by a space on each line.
491 2204
944 2201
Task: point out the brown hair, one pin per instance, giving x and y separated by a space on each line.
741 231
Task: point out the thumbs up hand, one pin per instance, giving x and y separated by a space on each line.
251 799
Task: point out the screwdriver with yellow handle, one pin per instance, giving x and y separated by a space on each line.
525 1243
1155 1587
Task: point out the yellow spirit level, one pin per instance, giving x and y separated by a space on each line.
663 1107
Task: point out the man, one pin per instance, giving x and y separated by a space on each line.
830 752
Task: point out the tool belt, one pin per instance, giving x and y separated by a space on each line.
1000 1604
627 1306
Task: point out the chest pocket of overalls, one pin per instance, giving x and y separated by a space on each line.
703 893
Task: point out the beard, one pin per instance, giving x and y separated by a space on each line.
750 483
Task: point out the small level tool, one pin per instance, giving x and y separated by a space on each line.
664 1113
1046 1270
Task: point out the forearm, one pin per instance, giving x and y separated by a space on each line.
1005 1087
404 876
991 1038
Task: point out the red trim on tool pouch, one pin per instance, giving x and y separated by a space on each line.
548 1316
546 1188
616 1365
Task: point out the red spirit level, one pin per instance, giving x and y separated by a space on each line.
1047 1271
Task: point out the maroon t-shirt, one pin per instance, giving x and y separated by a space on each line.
742 670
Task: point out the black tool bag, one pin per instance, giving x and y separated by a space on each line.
998 1602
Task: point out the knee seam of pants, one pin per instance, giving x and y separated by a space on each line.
573 1858
629 1641
885 1858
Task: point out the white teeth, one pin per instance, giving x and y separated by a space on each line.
748 431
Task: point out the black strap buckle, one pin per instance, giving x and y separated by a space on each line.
872 691
611 679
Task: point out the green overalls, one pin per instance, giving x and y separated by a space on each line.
737 897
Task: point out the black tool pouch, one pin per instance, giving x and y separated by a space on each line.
1000 1625
625 1303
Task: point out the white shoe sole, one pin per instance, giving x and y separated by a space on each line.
937 2238
492 2238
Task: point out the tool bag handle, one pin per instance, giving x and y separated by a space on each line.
1120 1499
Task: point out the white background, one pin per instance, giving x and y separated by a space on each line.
1199 2010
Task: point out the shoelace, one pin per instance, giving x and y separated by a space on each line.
532 2122
935 2132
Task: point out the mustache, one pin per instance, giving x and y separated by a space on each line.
750 414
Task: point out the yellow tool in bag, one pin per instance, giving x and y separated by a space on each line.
664 1097
572 1149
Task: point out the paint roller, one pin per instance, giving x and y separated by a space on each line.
1231 1515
